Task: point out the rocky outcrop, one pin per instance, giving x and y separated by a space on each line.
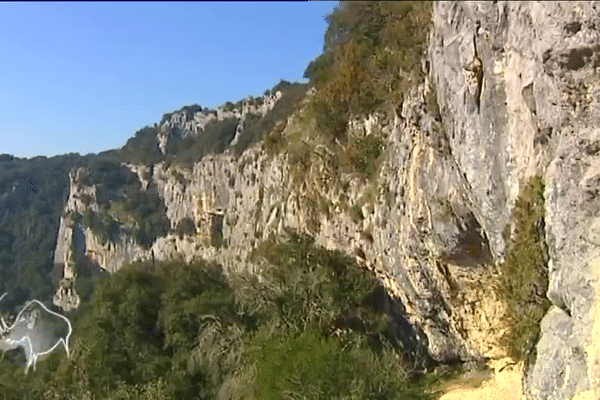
538 113
66 296
511 92
182 124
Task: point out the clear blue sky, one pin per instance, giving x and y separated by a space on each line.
83 77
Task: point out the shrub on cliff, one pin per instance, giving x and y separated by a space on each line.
185 227
123 201
143 147
214 139
371 56
362 154
102 225
257 128
524 274
190 110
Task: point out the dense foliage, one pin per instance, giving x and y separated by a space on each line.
142 148
173 330
32 192
371 56
185 227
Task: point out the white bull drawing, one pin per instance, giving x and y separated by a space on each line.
37 330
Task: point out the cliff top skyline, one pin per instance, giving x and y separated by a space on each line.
83 77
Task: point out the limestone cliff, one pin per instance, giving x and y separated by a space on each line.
181 124
536 112
511 91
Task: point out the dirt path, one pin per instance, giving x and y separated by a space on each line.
504 385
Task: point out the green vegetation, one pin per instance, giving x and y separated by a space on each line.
524 277
312 327
124 203
188 110
104 226
228 106
148 211
185 227
143 334
363 155
311 285
310 366
213 140
257 129
31 196
371 57
356 213
191 110
142 148
320 334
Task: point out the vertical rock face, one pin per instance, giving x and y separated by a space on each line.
535 111
512 91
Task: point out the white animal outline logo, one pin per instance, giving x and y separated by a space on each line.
28 316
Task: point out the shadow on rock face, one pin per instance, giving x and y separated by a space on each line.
470 247
398 330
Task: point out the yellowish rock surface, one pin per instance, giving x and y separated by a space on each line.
504 385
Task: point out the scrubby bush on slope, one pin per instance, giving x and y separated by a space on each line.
174 330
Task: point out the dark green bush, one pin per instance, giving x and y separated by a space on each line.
228 106
306 293
166 117
356 213
190 110
311 285
331 118
185 227
282 86
116 184
108 174
142 148
143 330
213 140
